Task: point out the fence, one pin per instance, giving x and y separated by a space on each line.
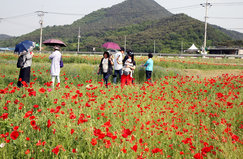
160 55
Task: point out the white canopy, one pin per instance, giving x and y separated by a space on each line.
193 47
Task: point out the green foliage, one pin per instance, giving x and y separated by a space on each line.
176 114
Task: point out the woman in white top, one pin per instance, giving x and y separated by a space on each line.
105 67
55 64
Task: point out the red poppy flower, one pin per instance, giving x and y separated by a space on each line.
94 141
198 156
107 124
16 128
4 116
126 133
72 131
49 123
124 150
14 135
42 90
36 106
55 150
134 148
27 114
74 151
156 150
87 105
27 152
38 143
206 149
16 101
33 123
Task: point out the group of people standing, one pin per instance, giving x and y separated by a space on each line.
123 67
55 57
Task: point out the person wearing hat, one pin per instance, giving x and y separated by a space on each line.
24 74
118 64
55 58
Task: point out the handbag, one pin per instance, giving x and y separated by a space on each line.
61 63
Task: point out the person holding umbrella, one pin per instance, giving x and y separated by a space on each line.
24 50
55 58
117 59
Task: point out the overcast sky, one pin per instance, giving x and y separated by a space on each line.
25 24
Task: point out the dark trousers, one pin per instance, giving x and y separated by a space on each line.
106 78
24 75
116 73
149 76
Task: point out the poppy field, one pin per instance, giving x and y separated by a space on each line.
178 116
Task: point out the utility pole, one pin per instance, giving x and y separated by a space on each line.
41 15
181 47
154 47
125 45
206 5
78 39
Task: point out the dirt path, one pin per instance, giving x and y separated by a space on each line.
210 73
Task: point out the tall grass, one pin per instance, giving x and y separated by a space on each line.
175 117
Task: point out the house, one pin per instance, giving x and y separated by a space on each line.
225 51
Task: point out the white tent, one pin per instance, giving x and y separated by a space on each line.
193 48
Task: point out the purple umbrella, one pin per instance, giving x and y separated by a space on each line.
111 45
53 42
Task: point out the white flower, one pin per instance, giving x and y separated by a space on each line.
2 145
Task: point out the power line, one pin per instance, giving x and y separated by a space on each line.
71 14
228 4
18 16
82 14
235 28
186 7
19 24
236 18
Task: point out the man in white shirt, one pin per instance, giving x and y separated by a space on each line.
118 64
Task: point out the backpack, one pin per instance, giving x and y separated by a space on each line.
21 61
61 63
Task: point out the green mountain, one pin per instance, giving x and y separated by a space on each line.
4 36
168 34
142 21
234 34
